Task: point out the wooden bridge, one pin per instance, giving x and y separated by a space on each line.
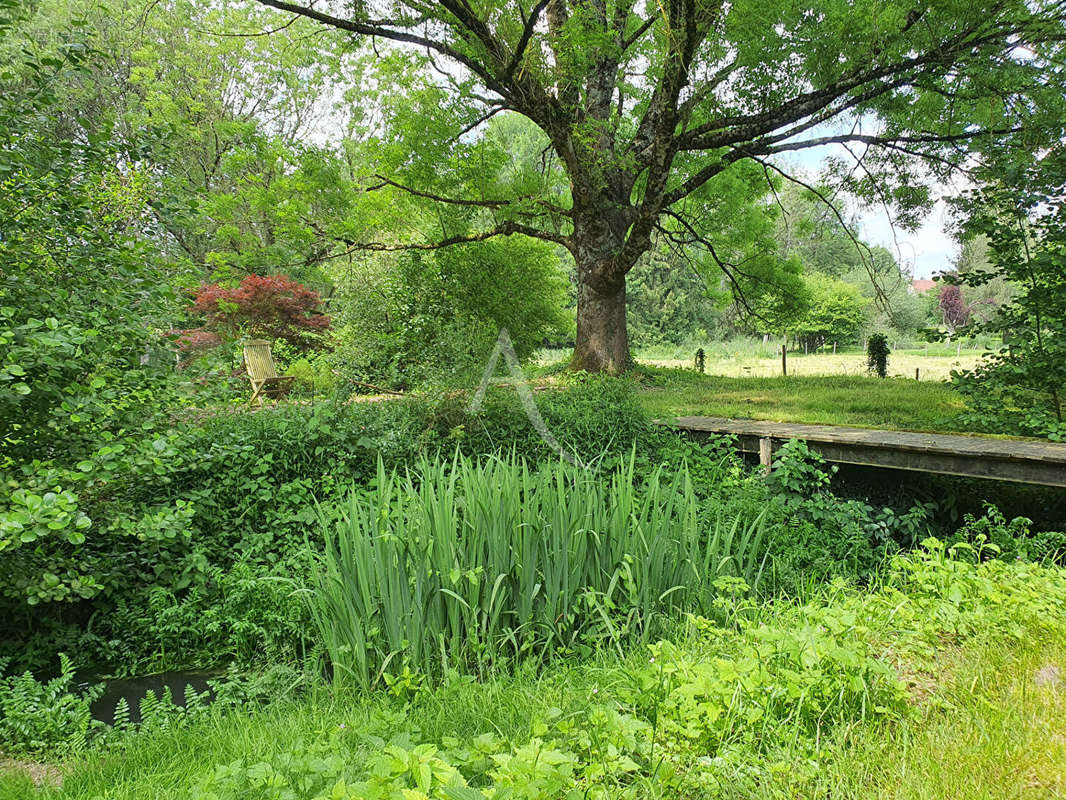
1024 461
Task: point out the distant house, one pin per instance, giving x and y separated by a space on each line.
921 286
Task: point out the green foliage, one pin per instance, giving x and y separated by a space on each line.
434 319
48 718
246 613
797 471
485 564
821 536
769 706
1022 388
877 352
81 300
993 536
54 718
314 376
193 522
677 724
835 312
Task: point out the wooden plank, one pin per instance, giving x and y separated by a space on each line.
1025 461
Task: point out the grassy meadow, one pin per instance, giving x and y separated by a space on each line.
932 366
856 400
751 358
742 380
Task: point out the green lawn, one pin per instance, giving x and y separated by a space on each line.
859 400
996 729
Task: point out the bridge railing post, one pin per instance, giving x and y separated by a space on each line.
766 453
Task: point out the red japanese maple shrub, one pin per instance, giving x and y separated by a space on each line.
273 307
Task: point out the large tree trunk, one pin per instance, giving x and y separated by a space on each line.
602 343
601 227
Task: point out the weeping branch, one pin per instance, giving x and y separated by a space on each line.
861 248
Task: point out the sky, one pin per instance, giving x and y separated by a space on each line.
925 252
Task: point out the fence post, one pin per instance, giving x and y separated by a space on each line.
784 361
916 373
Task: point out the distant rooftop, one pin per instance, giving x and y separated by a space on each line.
922 285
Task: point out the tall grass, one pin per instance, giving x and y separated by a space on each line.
476 565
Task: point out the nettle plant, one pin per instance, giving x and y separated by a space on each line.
802 480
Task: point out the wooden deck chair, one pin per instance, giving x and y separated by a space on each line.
263 374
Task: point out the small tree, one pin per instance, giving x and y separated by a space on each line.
1021 212
273 307
954 310
877 354
836 312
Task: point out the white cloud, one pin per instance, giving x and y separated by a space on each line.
926 251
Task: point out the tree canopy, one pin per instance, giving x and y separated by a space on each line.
647 109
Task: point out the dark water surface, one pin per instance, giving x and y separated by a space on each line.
135 689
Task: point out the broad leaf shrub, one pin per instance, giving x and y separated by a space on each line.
433 318
820 535
729 710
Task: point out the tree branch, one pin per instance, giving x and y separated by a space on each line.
760 147
461 201
379 28
889 141
508 228
861 248
523 41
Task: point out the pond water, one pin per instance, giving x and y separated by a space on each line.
135 689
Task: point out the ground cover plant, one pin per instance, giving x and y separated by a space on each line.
795 699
